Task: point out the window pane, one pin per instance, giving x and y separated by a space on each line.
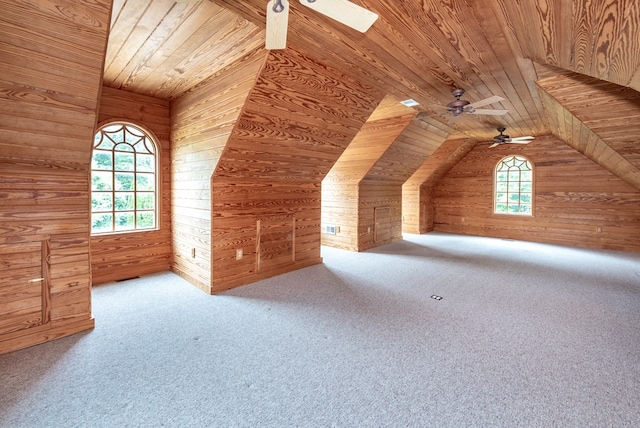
102 201
512 208
101 180
123 147
124 180
145 201
525 187
514 187
124 221
526 176
514 176
526 209
525 198
145 163
501 208
514 198
502 176
101 222
145 182
501 197
501 187
102 160
124 161
124 201
145 220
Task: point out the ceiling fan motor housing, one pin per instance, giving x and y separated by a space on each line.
502 137
457 106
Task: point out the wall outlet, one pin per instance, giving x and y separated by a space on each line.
598 229
337 229
193 253
368 229
239 254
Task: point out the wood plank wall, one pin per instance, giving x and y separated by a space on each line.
50 80
417 206
297 121
202 121
367 179
341 203
577 202
599 119
127 255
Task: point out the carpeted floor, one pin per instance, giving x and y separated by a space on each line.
524 335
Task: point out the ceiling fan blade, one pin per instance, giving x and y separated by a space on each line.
517 142
491 100
528 137
277 23
345 12
494 145
495 112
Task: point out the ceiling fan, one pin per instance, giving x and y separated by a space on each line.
343 11
460 106
502 139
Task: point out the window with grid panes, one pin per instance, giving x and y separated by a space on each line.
513 186
124 190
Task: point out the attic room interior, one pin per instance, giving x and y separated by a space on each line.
263 156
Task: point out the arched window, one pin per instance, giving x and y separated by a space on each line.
124 193
513 187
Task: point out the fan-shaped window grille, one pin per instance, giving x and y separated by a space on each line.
513 189
124 185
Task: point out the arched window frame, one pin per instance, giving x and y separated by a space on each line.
514 193
142 145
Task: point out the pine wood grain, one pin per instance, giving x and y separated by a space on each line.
51 68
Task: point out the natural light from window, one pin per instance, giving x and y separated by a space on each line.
123 180
513 188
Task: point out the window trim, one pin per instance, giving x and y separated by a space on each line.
157 177
495 190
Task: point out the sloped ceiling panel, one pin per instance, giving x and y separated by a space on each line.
162 48
599 38
296 122
595 106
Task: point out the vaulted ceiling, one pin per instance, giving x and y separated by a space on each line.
420 49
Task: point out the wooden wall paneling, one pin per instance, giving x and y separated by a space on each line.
433 169
51 68
378 159
126 255
259 220
379 213
25 285
297 121
202 121
580 136
577 202
340 211
275 246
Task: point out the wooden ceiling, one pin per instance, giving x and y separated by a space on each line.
420 49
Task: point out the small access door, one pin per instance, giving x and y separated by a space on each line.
24 285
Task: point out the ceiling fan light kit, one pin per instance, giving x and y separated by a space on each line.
503 138
343 11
